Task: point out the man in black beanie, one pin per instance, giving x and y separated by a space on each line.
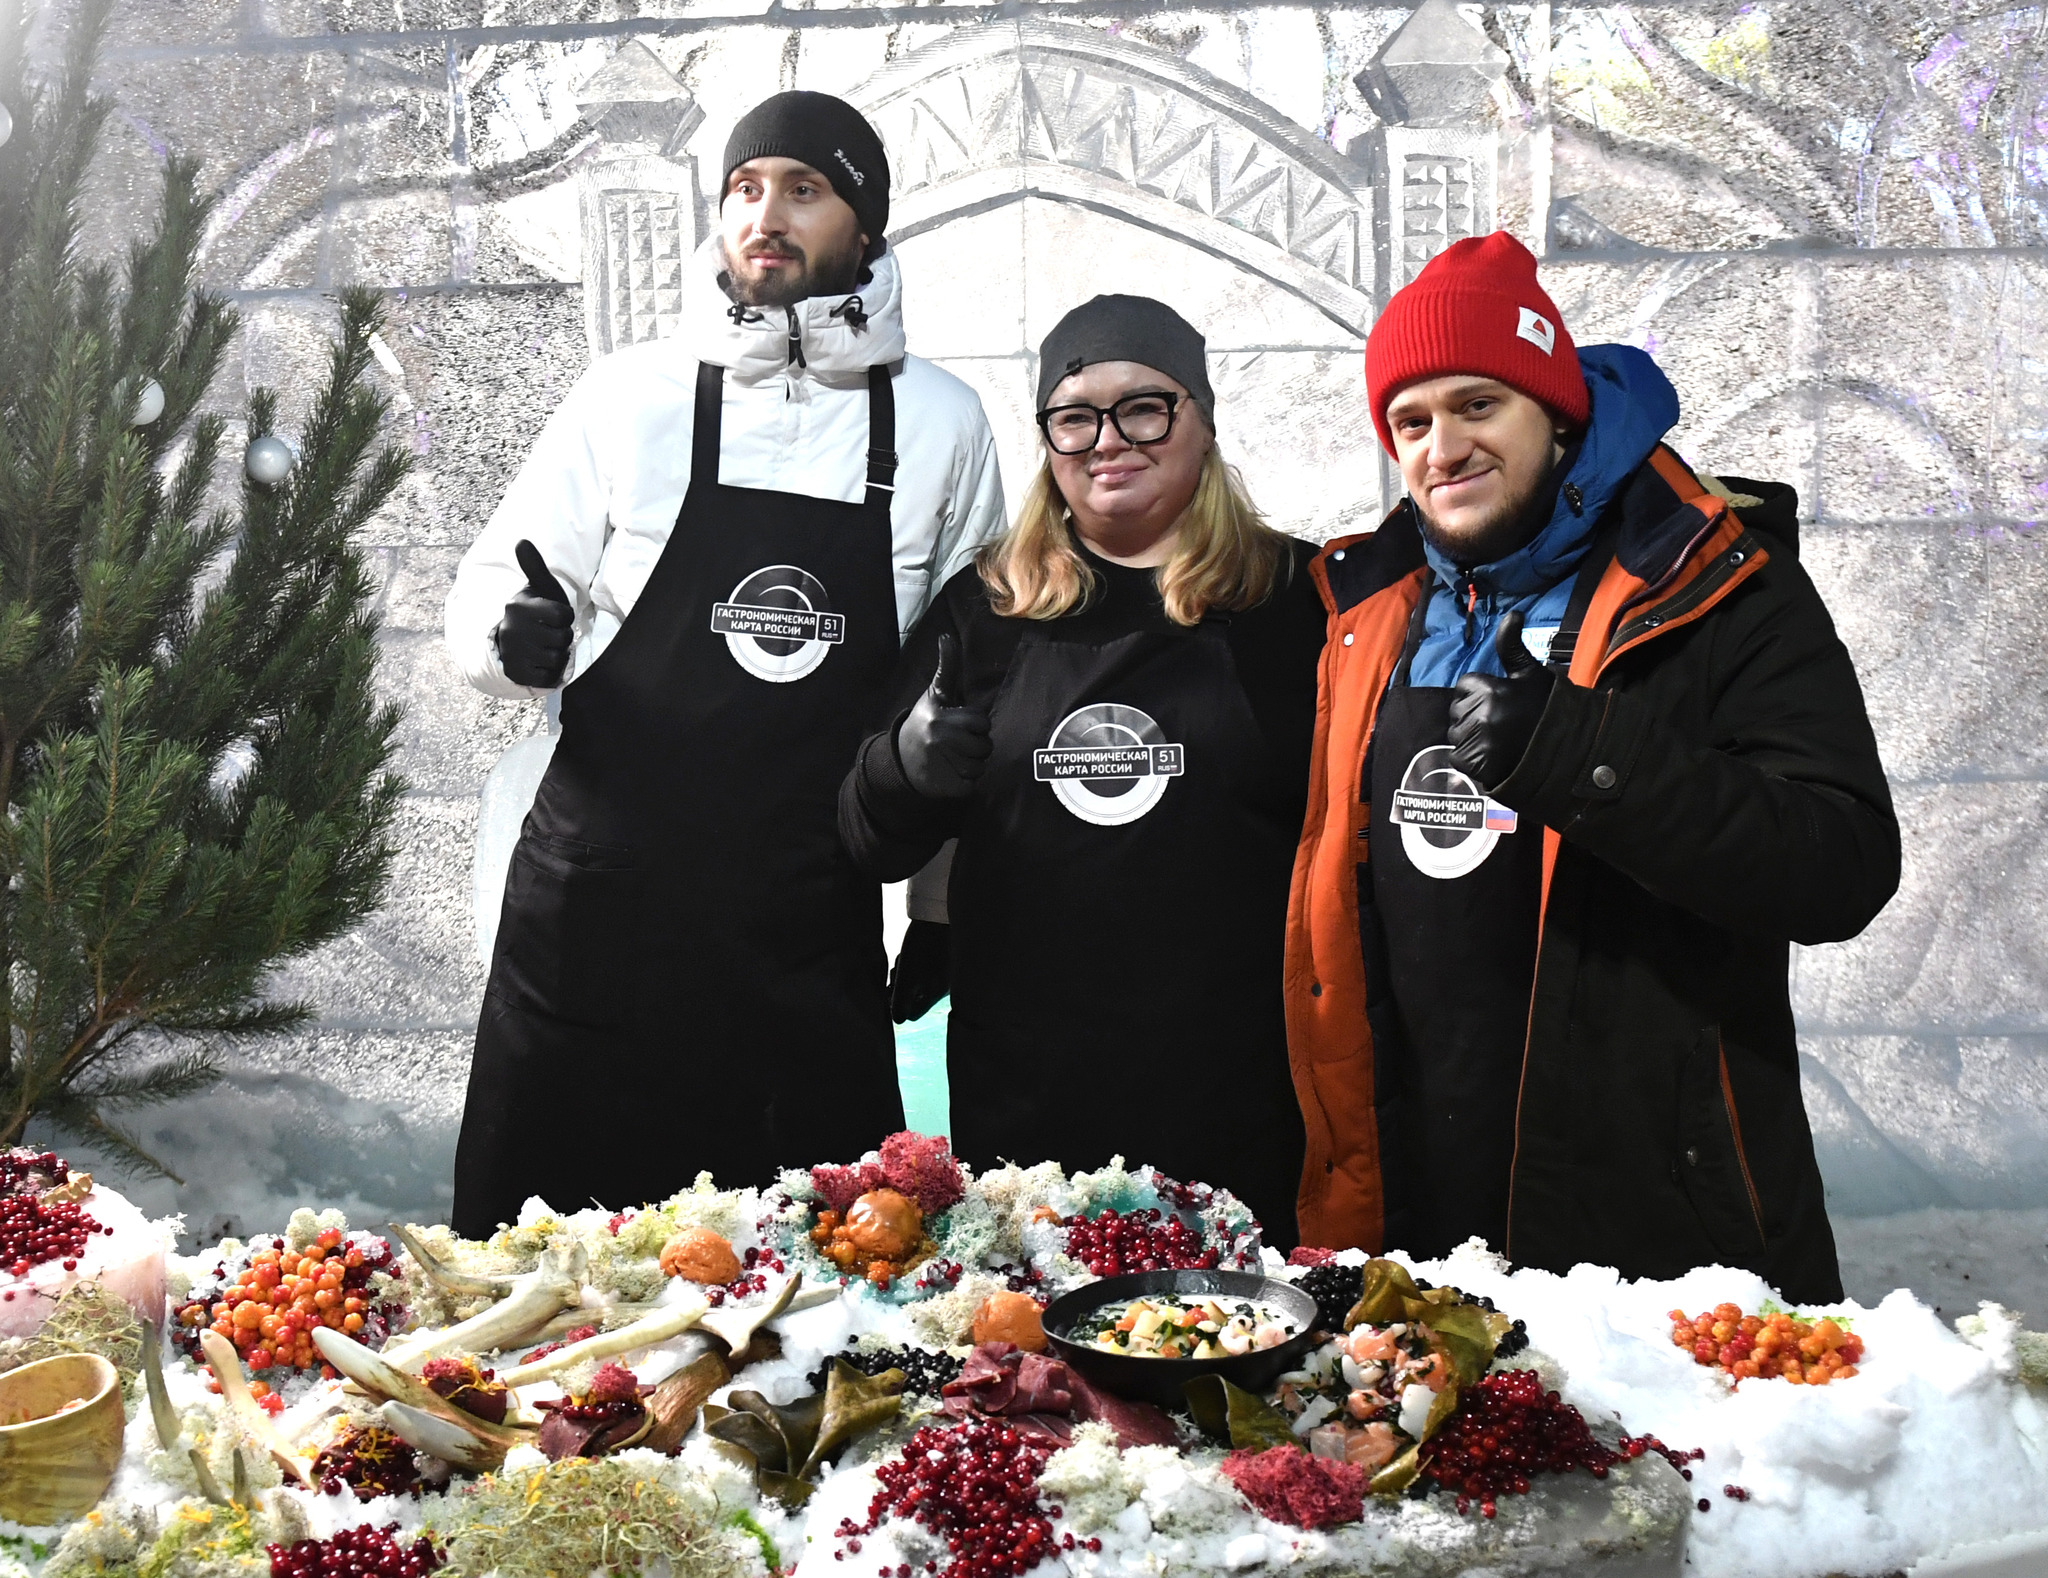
741 521
805 201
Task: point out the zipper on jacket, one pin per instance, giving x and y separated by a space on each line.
796 340
1756 1207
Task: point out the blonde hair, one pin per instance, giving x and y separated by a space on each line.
1227 556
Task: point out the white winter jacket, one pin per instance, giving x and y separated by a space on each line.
600 489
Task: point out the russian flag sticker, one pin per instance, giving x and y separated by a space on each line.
1499 819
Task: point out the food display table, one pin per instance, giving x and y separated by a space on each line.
874 1368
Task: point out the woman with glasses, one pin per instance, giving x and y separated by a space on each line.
1112 712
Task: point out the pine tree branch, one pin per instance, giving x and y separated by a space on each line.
141 646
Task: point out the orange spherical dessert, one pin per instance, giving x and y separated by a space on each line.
1011 1317
884 1225
697 1254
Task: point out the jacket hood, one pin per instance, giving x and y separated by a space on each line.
836 338
1634 406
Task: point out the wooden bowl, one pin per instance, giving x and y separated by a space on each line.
56 1466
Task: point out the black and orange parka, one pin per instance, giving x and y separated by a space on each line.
1710 792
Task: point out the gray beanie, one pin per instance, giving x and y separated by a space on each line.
1127 329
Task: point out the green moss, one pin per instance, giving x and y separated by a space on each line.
563 1520
750 1525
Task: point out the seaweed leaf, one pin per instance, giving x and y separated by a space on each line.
1466 1337
854 1404
1468 1334
785 1443
1398 1475
1228 1412
761 1441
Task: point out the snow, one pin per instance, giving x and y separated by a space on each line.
1933 1444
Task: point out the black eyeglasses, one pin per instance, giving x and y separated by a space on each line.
1140 418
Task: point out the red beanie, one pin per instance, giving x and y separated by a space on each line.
1475 308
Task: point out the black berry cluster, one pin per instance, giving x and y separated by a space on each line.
1517 1336
1335 1289
924 1369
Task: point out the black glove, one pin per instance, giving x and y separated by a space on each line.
535 634
1493 720
924 970
943 746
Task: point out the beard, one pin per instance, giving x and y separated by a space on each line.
803 276
1512 524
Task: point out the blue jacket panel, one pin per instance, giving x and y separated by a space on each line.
1634 406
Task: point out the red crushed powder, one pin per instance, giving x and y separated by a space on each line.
1289 1486
613 1383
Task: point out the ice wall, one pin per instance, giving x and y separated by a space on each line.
1826 221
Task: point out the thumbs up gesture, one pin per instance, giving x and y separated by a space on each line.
1493 720
943 745
534 636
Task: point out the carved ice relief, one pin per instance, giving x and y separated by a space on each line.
994 115
1436 155
638 198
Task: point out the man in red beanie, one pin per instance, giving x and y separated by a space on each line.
1589 756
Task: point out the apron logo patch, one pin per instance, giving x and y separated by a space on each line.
779 624
1448 823
1107 763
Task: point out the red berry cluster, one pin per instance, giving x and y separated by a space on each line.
31 1172
31 1232
363 1552
1189 1197
976 1485
939 1273
1636 1446
574 1334
1506 1428
1020 1279
759 1262
1114 1242
368 1460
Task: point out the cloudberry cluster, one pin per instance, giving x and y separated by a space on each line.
272 1308
1777 1346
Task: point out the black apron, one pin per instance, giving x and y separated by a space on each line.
1455 880
1119 907
1449 913
689 972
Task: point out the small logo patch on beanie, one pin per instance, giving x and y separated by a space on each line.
1538 330
858 178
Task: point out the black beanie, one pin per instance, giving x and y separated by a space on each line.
830 136
1127 329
